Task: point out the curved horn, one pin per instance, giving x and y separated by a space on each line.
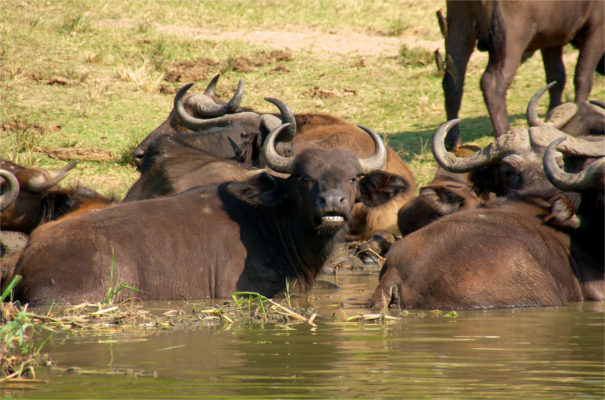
451 163
42 183
378 158
211 88
557 117
233 104
13 190
287 117
542 137
273 160
532 107
562 180
205 106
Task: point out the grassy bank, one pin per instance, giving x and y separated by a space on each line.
102 75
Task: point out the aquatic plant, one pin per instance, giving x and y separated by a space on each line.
113 291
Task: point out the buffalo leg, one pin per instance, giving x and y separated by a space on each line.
459 45
499 74
591 51
555 71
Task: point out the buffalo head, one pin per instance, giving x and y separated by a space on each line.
29 190
511 162
324 184
206 114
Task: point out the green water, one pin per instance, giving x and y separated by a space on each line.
547 353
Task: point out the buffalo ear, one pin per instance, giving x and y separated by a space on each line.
446 199
55 204
381 187
260 190
563 211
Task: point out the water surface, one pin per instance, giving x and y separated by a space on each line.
548 353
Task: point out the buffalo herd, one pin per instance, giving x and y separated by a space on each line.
231 199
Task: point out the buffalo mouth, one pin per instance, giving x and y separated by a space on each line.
331 219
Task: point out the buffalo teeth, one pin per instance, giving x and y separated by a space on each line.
333 218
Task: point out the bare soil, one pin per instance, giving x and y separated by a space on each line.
78 153
303 38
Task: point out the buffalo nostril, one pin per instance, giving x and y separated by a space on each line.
332 200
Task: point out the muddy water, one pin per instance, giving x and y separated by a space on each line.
522 353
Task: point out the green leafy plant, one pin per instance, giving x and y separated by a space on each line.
16 336
288 294
113 291
276 307
9 289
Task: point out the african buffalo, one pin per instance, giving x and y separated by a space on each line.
39 199
211 241
509 253
206 105
509 30
171 165
199 115
581 207
175 168
511 162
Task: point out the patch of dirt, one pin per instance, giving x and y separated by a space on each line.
321 93
242 64
189 70
165 89
270 57
78 153
22 126
299 38
280 69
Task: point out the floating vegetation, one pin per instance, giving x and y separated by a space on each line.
21 330
19 327
372 317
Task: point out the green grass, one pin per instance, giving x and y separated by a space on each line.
94 70
114 290
8 292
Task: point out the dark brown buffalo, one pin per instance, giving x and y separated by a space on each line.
207 105
514 252
171 164
499 256
508 30
37 198
581 206
214 240
512 162
175 168
195 116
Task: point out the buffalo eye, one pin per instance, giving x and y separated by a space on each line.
353 180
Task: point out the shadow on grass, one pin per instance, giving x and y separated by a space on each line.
417 142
